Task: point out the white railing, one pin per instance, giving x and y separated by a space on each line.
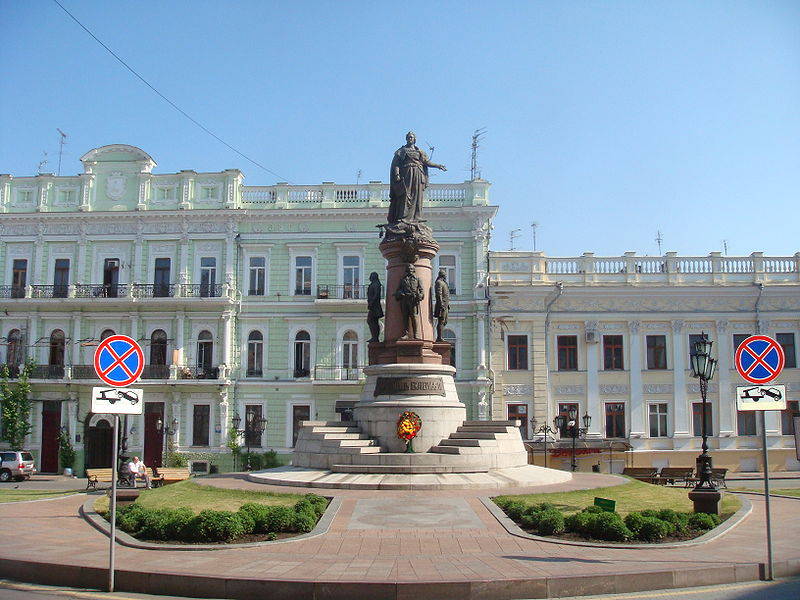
535 267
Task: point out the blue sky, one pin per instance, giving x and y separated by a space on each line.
607 121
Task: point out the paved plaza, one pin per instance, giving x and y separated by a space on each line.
390 544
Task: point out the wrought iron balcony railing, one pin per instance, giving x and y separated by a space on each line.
155 372
12 291
49 291
153 290
201 290
83 372
342 292
48 372
198 372
329 373
101 290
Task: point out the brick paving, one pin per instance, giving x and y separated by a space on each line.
53 532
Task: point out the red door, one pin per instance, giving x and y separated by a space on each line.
51 422
153 435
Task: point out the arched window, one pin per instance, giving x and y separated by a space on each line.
57 346
302 354
205 354
158 347
350 355
14 352
107 333
449 336
255 354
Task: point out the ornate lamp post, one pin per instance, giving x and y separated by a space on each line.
705 495
573 430
166 430
545 430
252 426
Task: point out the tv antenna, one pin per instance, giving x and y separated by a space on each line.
358 176
725 247
474 171
534 227
659 239
513 235
42 163
62 140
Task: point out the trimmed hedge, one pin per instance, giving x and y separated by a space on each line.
181 524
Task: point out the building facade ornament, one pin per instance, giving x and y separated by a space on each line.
518 389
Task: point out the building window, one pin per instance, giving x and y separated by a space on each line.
255 354
787 416
746 422
165 194
658 420
24 196
517 352
567 352
615 419
786 340
302 354
350 350
449 336
656 352
161 278
302 275
19 277
205 354
110 278
14 356
564 409
61 278
107 333
447 262
66 196
200 424
252 415
697 425
208 276
612 353
519 412
158 347
738 338
57 346
208 192
258 276
351 277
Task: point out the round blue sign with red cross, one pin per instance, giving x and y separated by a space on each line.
759 359
118 360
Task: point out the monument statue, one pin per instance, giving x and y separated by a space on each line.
409 294
408 178
374 308
442 307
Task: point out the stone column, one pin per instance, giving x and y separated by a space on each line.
80 276
230 256
175 412
179 337
33 335
593 404
682 426
638 424
227 337
138 267
224 409
76 336
481 342
134 317
36 257
540 396
727 401
183 258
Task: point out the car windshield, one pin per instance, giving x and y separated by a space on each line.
26 456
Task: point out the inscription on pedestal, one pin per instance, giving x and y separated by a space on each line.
414 386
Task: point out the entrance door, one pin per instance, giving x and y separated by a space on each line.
300 412
98 446
153 437
51 422
519 411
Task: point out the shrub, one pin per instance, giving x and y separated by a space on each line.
180 524
320 503
515 509
609 526
579 523
260 515
218 526
703 521
270 460
551 522
304 505
634 521
593 509
653 529
155 525
271 536
254 460
279 519
248 521
304 521
543 506
650 513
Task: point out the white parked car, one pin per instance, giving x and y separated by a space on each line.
16 464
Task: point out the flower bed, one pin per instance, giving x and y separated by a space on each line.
594 523
251 522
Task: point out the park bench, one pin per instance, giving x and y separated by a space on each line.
718 476
171 475
672 475
646 474
95 476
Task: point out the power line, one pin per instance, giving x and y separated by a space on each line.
163 97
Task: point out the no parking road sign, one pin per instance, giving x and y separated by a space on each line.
118 361
759 359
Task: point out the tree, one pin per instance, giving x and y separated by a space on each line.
15 406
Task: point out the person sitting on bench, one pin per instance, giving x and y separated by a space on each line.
137 468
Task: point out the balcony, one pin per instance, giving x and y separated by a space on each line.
48 372
11 370
201 290
119 290
329 373
198 372
155 372
153 290
83 372
49 291
342 292
12 291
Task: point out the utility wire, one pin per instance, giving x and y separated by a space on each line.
167 100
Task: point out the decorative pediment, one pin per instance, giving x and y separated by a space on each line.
118 153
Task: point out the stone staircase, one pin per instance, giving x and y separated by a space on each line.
321 444
495 444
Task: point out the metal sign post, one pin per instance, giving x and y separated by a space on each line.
766 493
113 536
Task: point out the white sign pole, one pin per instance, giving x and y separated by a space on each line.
766 493
112 538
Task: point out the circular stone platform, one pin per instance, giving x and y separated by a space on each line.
525 476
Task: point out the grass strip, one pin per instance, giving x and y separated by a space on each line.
23 495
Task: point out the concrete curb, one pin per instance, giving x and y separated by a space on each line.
98 522
43 499
511 527
771 495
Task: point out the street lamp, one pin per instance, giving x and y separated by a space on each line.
570 423
253 426
166 430
705 494
546 430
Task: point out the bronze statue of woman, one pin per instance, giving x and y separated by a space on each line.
408 179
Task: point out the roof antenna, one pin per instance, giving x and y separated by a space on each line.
534 227
659 239
42 163
358 176
474 171
725 247
513 235
61 143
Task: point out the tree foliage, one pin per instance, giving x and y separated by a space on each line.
15 406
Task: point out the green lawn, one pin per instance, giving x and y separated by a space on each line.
21 495
630 497
790 492
200 497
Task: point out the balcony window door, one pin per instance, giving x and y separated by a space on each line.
208 276
161 278
110 277
350 355
258 276
200 424
205 352
253 413
57 347
302 354
19 277
302 276
158 352
14 351
447 263
449 336
255 354
61 278
351 277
